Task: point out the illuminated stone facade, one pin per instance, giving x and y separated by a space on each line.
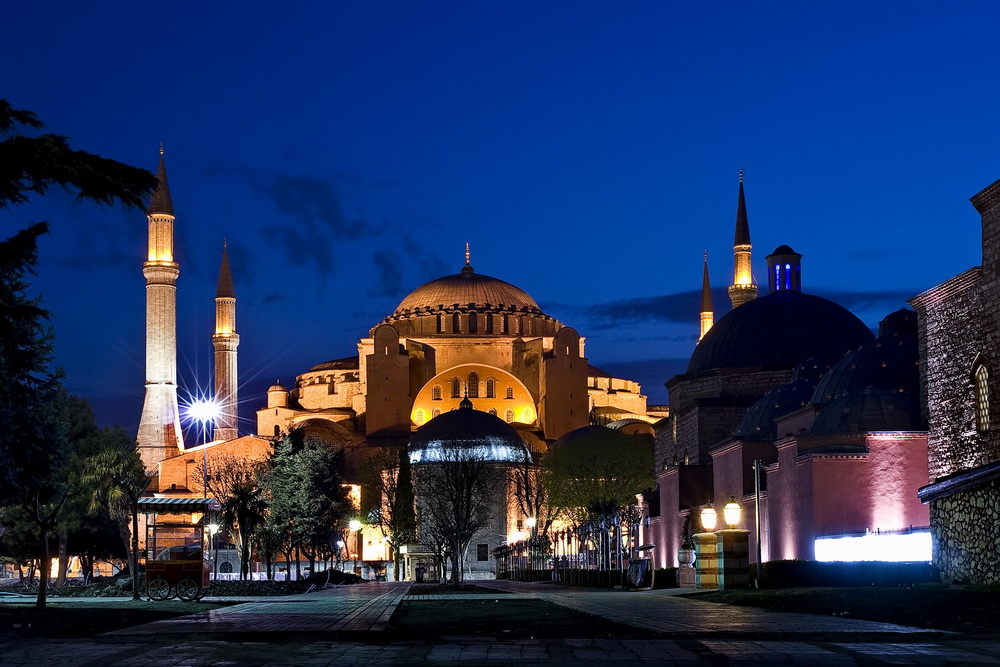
960 342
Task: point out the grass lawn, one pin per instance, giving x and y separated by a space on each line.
928 606
500 618
86 618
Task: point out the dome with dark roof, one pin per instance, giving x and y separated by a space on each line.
888 362
780 330
584 434
760 423
466 289
342 364
467 434
869 410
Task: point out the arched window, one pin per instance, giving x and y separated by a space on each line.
436 392
419 417
440 323
510 392
456 388
225 567
436 413
277 431
493 411
981 391
510 416
456 323
489 324
473 323
491 388
473 384
526 415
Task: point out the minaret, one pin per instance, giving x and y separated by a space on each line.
707 311
743 288
159 434
226 340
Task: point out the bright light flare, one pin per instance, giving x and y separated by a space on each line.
203 410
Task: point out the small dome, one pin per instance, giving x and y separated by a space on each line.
869 410
784 250
587 433
888 362
277 386
467 434
780 330
759 422
463 289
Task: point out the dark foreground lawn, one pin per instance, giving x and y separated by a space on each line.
928 606
501 618
86 618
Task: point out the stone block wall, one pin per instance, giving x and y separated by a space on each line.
966 531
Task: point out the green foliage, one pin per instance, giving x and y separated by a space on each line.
598 472
307 495
31 165
387 491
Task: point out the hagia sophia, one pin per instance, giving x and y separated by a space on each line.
790 405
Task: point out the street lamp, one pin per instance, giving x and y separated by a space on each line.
708 518
732 512
355 526
204 411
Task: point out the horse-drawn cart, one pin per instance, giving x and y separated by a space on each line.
176 557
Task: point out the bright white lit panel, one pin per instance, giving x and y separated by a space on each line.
910 547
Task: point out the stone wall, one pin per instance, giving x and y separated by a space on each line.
966 530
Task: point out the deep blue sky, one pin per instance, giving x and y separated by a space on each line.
588 152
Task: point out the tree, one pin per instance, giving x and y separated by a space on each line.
237 485
387 483
33 442
307 494
458 496
592 476
118 478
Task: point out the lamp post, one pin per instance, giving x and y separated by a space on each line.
355 526
758 464
213 528
733 549
708 518
732 512
205 412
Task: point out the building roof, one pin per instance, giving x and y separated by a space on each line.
225 289
160 201
467 434
742 225
781 329
466 289
342 364
869 410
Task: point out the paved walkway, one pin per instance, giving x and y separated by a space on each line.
346 626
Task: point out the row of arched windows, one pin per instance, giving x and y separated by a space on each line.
472 386
421 416
473 322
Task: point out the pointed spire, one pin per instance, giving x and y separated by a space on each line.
160 201
226 289
467 269
706 289
742 226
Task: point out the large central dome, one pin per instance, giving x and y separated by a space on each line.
464 290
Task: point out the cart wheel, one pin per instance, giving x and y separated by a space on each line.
187 590
158 590
202 592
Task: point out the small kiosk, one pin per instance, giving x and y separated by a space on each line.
176 558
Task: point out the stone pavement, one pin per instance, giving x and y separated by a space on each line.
347 626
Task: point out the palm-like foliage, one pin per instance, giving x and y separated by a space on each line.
118 480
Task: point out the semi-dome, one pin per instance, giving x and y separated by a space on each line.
888 362
869 410
464 289
780 330
467 434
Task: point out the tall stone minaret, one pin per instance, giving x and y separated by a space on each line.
707 311
160 426
743 288
226 340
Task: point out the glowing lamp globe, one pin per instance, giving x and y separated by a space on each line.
354 524
532 521
708 518
203 410
732 512
213 528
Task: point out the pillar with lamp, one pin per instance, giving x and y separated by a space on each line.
733 549
706 545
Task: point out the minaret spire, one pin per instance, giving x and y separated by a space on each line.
159 435
467 270
226 340
707 311
743 288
